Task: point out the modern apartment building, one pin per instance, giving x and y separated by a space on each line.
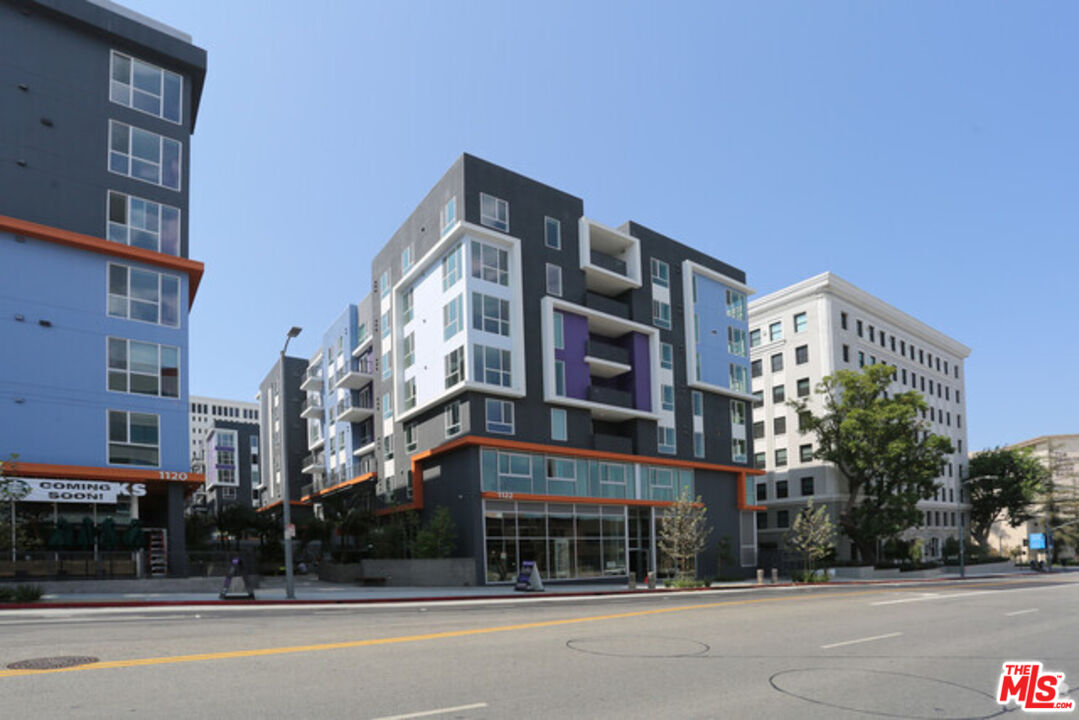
205 411
340 409
98 108
553 381
282 434
1060 455
802 333
225 449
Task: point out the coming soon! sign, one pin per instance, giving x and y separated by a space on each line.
85 491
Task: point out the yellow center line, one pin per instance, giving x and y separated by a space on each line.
261 652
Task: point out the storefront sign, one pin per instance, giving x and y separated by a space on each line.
98 492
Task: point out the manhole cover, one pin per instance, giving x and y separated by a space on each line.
52 663
638 646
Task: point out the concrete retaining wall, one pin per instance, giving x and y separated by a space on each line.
444 572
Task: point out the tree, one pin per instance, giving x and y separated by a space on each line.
1003 480
1061 500
438 539
683 533
881 445
812 536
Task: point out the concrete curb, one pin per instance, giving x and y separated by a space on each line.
47 605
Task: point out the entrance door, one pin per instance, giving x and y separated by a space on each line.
639 530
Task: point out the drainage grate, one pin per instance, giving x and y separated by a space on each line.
52 663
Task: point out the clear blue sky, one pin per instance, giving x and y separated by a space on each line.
924 151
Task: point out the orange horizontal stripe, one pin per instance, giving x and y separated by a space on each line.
339 486
576 500
293 503
81 472
89 243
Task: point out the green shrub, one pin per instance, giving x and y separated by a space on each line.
810 576
7 594
28 593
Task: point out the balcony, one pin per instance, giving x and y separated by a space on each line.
312 379
611 259
365 342
608 262
607 305
314 463
356 375
312 408
366 446
612 443
349 410
606 360
610 396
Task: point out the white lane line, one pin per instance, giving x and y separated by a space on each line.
1022 612
860 640
428 713
935 596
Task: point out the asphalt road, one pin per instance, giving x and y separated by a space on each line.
926 651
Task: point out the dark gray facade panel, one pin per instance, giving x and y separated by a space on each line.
455 483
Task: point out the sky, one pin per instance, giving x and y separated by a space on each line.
927 152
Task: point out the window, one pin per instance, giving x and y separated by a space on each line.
448 216
490 314
756 368
661 314
499 416
552 233
455 367
387 365
143 368
861 359
144 295
698 444
453 418
779 425
661 273
491 365
754 338
697 399
554 280
872 338
490 263
143 155
758 430
387 447
406 259
807 486
736 341
843 320
858 325
777 362
758 460
781 489
800 322
559 331
666 440
560 378
384 287
738 450
406 307
803 387
494 212
782 518
778 394
801 355
452 318
762 492
451 268
146 88
410 437
762 521
804 419
758 399
387 406
666 356
739 378
738 413
781 457
561 470
775 331
133 438
736 305
805 453
846 353
141 223
667 399
558 424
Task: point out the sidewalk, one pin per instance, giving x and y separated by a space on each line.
204 591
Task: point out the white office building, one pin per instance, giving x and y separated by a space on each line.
802 333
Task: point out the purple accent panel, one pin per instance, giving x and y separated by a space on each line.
641 361
575 337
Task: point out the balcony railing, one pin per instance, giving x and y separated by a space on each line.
607 305
607 351
349 410
312 407
313 463
612 443
312 378
609 262
610 396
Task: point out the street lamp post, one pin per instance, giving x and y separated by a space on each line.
286 499
962 534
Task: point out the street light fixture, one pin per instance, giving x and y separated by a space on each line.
286 500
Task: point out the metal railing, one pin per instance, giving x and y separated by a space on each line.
608 262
